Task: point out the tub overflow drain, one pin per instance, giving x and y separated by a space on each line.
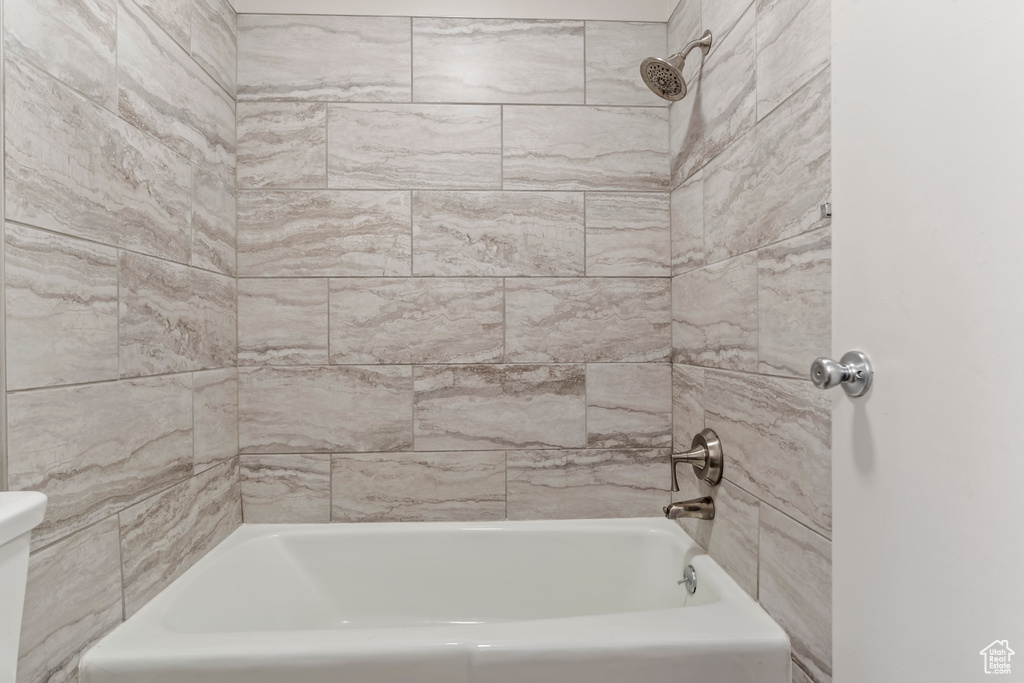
689 579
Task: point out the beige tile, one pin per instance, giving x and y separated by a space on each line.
292 488
282 321
460 486
214 40
173 16
628 235
615 50
281 144
687 405
629 405
213 224
800 676
215 416
688 225
556 320
470 407
793 44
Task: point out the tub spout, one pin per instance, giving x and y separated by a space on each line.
698 508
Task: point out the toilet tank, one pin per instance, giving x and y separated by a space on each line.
20 512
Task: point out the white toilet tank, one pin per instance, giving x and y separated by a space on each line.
20 512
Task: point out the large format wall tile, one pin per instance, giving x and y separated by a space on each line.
413 146
215 417
61 296
575 320
214 40
279 489
688 225
796 589
684 25
586 484
629 405
628 235
779 438
585 148
84 54
498 60
793 44
720 16
498 233
325 58
73 598
98 448
173 16
73 167
165 535
687 405
152 75
472 407
615 50
423 320
714 315
213 224
173 317
771 183
282 321
461 486
324 233
281 144
324 409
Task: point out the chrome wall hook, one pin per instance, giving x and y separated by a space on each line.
853 373
705 455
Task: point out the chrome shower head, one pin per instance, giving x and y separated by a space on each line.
665 76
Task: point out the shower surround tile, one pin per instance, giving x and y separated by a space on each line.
414 146
684 25
471 407
498 233
687 405
315 409
321 233
585 148
152 74
98 448
324 58
279 489
423 320
793 44
688 225
281 144
213 224
282 321
576 320
628 235
215 417
629 405
615 50
461 486
469 60
61 297
214 40
173 16
83 57
73 167
586 484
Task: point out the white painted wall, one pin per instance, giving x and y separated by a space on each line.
607 10
928 273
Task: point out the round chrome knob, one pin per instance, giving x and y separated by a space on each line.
827 373
853 373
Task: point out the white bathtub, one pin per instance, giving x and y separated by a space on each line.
517 602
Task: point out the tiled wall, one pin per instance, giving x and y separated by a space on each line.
751 300
454 269
120 303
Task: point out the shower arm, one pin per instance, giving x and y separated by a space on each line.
704 43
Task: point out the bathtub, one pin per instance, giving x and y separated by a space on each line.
595 601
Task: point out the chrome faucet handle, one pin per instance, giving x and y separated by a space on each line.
705 455
853 373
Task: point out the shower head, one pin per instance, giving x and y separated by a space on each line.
665 76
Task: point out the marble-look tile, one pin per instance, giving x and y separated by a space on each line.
322 409
794 295
771 183
469 407
153 73
714 315
324 58
72 40
585 148
73 598
629 405
76 168
423 320
720 16
163 536
796 589
586 484
801 676
280 489
213 224
97 448
688 225
793 44
281 144
459 486
684 25
498 233
592 320
720 105
215 417
61 296
282 321
779 437
174 318
324 233
615 50
628 235
413 146
687 405
468 60
173 16
214 40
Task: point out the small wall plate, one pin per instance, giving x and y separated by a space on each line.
712 445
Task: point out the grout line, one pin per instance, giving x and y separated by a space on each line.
120 566
398 104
